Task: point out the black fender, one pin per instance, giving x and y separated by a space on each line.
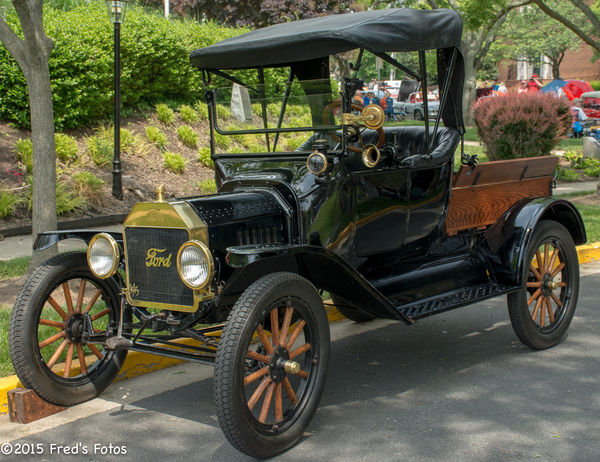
506 241
50 238
323 268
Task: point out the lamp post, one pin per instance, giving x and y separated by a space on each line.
116 12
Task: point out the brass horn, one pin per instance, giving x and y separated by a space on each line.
370 155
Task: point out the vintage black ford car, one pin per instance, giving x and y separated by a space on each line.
334 200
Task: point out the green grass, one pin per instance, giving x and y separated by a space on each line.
13 268
570 143
6 367
591 218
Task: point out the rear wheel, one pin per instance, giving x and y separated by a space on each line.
271 364
59 306
418 115
541 311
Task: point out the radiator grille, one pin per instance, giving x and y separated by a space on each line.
150 269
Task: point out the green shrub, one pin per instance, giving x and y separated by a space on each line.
154 59
223 141
8 203
204 157
188 114
202 109
188 136
25 153
207 186
567 174
156 136
223 113
66 147
521 125
126 138
174 162
165 114
87 185
100 147
589 165
66 200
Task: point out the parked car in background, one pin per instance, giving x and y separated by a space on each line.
414 107
590 103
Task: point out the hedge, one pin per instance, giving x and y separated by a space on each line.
154 59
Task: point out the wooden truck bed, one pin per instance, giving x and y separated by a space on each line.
481 194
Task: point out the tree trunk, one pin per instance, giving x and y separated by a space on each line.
470 48
44 155
32 53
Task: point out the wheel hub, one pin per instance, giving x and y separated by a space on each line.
75 328
548 285
277 365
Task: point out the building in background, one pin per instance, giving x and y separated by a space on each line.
577 64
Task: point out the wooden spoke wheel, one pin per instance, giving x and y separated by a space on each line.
271 364
542 310
60 307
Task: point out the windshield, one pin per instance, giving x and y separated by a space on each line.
298 111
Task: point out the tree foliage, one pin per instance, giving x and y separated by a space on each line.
529 33
255 13
588 29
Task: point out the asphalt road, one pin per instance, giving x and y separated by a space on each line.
456 387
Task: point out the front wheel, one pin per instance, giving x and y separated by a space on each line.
58 308
541 311
271 364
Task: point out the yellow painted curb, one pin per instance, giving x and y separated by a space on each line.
7 384
589 253
136 363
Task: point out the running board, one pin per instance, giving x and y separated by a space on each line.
450 300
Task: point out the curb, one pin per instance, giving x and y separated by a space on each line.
138 363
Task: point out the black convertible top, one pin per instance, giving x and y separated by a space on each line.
398 29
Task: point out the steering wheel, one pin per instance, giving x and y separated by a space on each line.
327 112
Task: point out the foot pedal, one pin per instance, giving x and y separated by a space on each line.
118 344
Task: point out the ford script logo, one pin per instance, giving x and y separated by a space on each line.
155 260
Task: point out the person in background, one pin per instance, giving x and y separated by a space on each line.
357 98
502 88
578 117
534 84
523 87
368 98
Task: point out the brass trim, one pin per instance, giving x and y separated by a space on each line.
291 367
372 116
209 259
325 162
368 159
116 254
165 215
160 193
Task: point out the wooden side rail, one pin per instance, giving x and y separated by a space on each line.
481 194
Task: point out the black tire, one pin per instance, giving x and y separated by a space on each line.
39 311
349 311
262 431
550 288
418 115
